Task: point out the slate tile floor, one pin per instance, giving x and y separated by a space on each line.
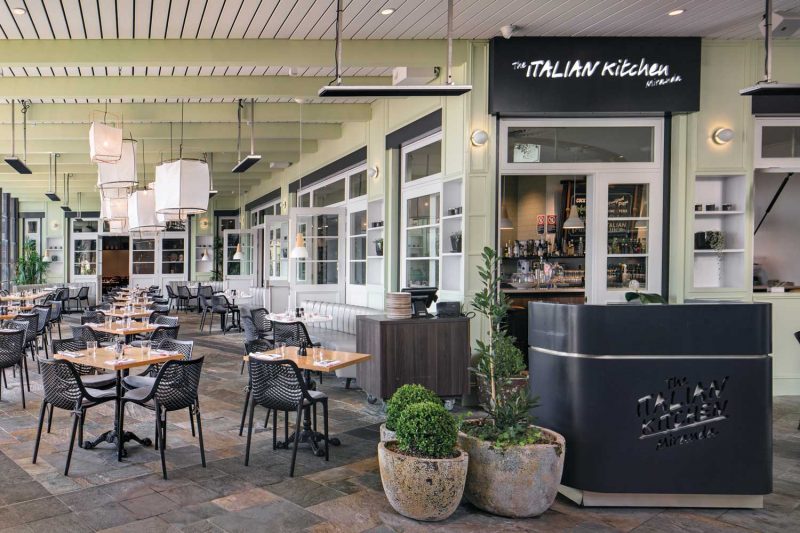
341 495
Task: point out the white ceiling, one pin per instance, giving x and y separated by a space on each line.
412 19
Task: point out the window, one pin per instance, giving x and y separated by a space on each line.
330 194
143 256
322 240
172 258
358 184
84 226
85 257
422 240
304 200
358 248
423 161
580 144
777 142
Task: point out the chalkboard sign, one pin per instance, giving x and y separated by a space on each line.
549 75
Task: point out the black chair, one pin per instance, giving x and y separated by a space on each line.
159 334
12 355
86 334
160 308
184 298
147 378
88 374
175 388
222 307
172 298
82 296
292 334
63 297
205 307
63 389
797 336
31 321
261 345
263 323
165 320
279 386
43 311
93 317
56 309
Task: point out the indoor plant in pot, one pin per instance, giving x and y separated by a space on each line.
423 472
400 400
515 467
31 268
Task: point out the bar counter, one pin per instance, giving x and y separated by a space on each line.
660 405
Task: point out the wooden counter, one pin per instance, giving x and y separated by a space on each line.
433 352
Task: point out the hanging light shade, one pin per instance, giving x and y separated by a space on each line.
46 257
573 220
142 213
167 217
299 251
204 257
114 208
119 174
117 225
505 221
105 143
182 187
237 255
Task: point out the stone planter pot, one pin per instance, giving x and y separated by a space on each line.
520 481
387 434
422 489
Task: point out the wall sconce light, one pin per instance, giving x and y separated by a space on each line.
479 138
284 206
203 223
372 172
54 224
722 135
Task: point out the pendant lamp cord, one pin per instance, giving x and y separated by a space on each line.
338 51
239 130
449 42
13 137
26 104
180 147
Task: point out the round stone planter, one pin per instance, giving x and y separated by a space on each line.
387 434
422 489
517 482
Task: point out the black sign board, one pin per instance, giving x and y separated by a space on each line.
538 75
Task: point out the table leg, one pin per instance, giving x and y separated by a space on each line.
307 434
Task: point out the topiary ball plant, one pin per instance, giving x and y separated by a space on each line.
427 430
402 398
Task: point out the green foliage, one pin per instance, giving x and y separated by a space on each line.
216 273
499 364
514 435
427 430
30 267
645 297
402 398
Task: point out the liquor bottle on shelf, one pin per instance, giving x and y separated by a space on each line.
516 248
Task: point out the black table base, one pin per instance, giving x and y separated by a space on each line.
307 435
110 437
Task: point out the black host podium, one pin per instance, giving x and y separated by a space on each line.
660 405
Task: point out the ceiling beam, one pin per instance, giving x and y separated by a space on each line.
220 168
171 87
225 52
224 159
205 112
162 146
284 130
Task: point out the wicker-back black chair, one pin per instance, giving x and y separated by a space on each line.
31 321
172 298
147 378
88 374
80 297
56 313
262 322
279 386
12 355
160 308
259 345
63 297
251 332
222 307
167 320
291 333
154 315
174 389
43 312
63 389
93 317
158 334
85 333
184 298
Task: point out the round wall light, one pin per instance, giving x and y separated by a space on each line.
479 138
722 135
372 172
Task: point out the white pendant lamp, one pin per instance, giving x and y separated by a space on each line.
204 257
299 251
120 174
573 220
46 256
182 187
117 226
142 212
105 142
114 208
237 255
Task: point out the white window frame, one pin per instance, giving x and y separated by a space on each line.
413 146
409 193
256 212
355 207
773 164
658 143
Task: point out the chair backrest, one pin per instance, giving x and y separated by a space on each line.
160 308
170 292
32 321
84 333
291 333
251 332
172 345
83 293
11 347
73 345
56 308
220 303
203 301
261 319
154 315
205 290
63 295
277 384
176 384
164 320
260 345
50 297
183 291
93 317
61 382
3 292
164 332
43 311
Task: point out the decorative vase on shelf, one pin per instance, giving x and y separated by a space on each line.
455 242
379 247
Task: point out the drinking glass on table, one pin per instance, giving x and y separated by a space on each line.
317 353
145 349
92 347
280 347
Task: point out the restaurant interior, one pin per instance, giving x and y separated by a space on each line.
405 265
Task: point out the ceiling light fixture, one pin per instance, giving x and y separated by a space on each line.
65 206
676 12
15 162
19 11
446 89
142 206
52 178
768 87
251 159
508 30
212 191
479 138
388 11
120 174
574 221
105 140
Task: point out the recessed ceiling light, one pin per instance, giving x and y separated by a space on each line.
676 12
19 11
388 11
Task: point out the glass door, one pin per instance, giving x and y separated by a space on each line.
238 272
173 255
321 274
420 237
627 236
276 261
143 261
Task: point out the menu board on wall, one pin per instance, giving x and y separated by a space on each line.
541 75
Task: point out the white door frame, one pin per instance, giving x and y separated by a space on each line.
238 281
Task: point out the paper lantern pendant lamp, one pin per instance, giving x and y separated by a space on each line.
142 213
117 225
182 187
120 174
105 143
114 208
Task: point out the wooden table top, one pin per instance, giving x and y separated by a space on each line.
27 297
124 314
119 329
132 357
126 303
344 359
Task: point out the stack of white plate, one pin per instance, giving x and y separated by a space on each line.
398 305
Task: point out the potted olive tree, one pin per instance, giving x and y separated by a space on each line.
402 398
515 466
423 472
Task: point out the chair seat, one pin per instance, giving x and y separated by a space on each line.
316 395
137 395
139 382
102 393
98 381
